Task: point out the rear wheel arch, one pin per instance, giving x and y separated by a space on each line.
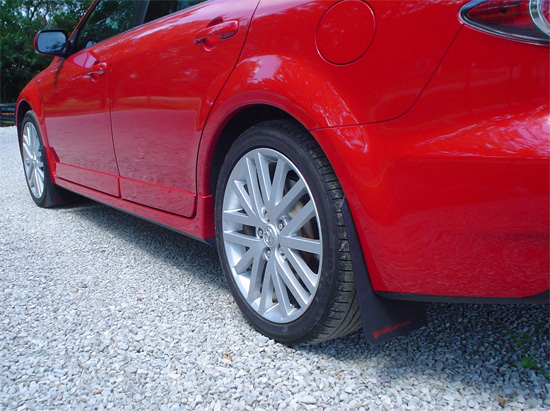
281 96
231 129
216 147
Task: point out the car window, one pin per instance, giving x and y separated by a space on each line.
161 8
109 18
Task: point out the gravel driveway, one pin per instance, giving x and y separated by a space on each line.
99 309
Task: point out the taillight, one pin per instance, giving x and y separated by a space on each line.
527 20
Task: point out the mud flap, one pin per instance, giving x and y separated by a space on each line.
382 319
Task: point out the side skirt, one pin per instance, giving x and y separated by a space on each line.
201 227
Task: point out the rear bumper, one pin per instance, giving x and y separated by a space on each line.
439 215
451 200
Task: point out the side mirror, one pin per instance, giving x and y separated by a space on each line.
51 42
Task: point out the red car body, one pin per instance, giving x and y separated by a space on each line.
438 131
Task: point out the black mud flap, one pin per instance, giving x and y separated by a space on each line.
382 319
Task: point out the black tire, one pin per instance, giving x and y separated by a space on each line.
333 310
49 195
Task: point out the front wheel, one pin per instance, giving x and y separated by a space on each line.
281 237
37 173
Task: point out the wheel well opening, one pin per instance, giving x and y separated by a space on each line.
240 122
23 109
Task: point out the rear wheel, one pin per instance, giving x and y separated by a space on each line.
37 173
281 237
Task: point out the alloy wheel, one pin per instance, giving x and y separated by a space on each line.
272 235
32 160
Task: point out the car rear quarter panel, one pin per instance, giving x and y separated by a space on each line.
281 66
453 197
281 55
438 134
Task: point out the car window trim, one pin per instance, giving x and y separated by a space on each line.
139 20
139 17
171 14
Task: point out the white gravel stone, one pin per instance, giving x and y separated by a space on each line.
102 310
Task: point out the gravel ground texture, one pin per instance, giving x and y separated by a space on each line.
99 309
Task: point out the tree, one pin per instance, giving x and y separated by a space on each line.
19 22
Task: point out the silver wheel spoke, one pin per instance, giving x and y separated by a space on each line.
38 185
29 170
27 150
253 188
267 288
304 215
238 218
290 199
241 239
308 277
40 172
26 135
31 137
245 202
33 179
246 260
34 139
278 185
263 177
292 283
280 291
258 267
302 244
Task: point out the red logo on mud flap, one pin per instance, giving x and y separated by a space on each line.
390 328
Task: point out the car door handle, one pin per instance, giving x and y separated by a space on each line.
100 69
98 72
217 32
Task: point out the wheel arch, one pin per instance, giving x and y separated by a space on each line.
229 130
226 124
216 141
29 101
22 108
230 119
270 87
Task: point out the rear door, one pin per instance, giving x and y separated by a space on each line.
164 83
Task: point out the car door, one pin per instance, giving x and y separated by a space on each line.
77 104
164 82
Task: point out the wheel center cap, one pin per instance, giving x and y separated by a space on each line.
270 236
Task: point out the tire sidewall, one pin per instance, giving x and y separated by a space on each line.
268 135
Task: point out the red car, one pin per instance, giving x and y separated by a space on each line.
349 158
